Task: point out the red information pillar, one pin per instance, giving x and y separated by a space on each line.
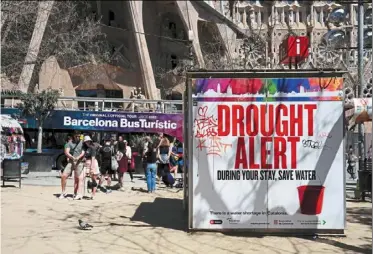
294 49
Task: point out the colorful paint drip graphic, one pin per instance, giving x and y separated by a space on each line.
271 86
206 133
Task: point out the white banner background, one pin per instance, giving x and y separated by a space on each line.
222 204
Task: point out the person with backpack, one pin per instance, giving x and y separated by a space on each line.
106 168
164 153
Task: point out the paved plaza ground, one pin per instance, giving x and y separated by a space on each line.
35 221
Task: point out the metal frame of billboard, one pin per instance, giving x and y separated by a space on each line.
188 145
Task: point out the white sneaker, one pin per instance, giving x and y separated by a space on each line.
62 196
78 197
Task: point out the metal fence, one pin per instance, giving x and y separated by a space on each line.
107 104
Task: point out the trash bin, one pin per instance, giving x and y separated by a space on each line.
365 180
12 170
365 164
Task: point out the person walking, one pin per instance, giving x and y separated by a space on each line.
151 168
106 154
74 152
91 163
351 162
122 159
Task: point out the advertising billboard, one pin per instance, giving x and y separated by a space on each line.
171 124
267 153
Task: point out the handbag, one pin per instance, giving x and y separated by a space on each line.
164 159
114 163
131 164
119 156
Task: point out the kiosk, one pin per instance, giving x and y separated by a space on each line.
264 151
12 142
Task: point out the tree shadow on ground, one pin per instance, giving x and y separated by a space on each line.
17 181
163 212
366 248
362 215
57 195
140 189
139 177
358 201
8 186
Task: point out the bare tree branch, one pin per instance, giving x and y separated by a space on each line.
249 53
72 35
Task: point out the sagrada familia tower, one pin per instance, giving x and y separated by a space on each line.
158 39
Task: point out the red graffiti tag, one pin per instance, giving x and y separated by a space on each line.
206 126
213 145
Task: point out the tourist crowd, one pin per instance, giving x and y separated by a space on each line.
112 159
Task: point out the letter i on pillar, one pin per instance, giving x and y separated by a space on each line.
298 46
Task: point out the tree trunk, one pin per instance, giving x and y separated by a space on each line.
40 138
3 20
44 10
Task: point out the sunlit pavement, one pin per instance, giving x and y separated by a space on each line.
35 221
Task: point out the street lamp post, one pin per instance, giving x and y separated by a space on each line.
360 70
372 96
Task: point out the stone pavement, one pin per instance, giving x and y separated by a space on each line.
35 221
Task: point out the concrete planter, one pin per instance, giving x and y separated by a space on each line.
42 162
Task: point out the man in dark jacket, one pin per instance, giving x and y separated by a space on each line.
106 152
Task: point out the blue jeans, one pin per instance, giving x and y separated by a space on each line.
151 173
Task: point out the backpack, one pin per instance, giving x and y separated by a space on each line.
168 179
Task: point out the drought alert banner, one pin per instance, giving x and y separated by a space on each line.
268 153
